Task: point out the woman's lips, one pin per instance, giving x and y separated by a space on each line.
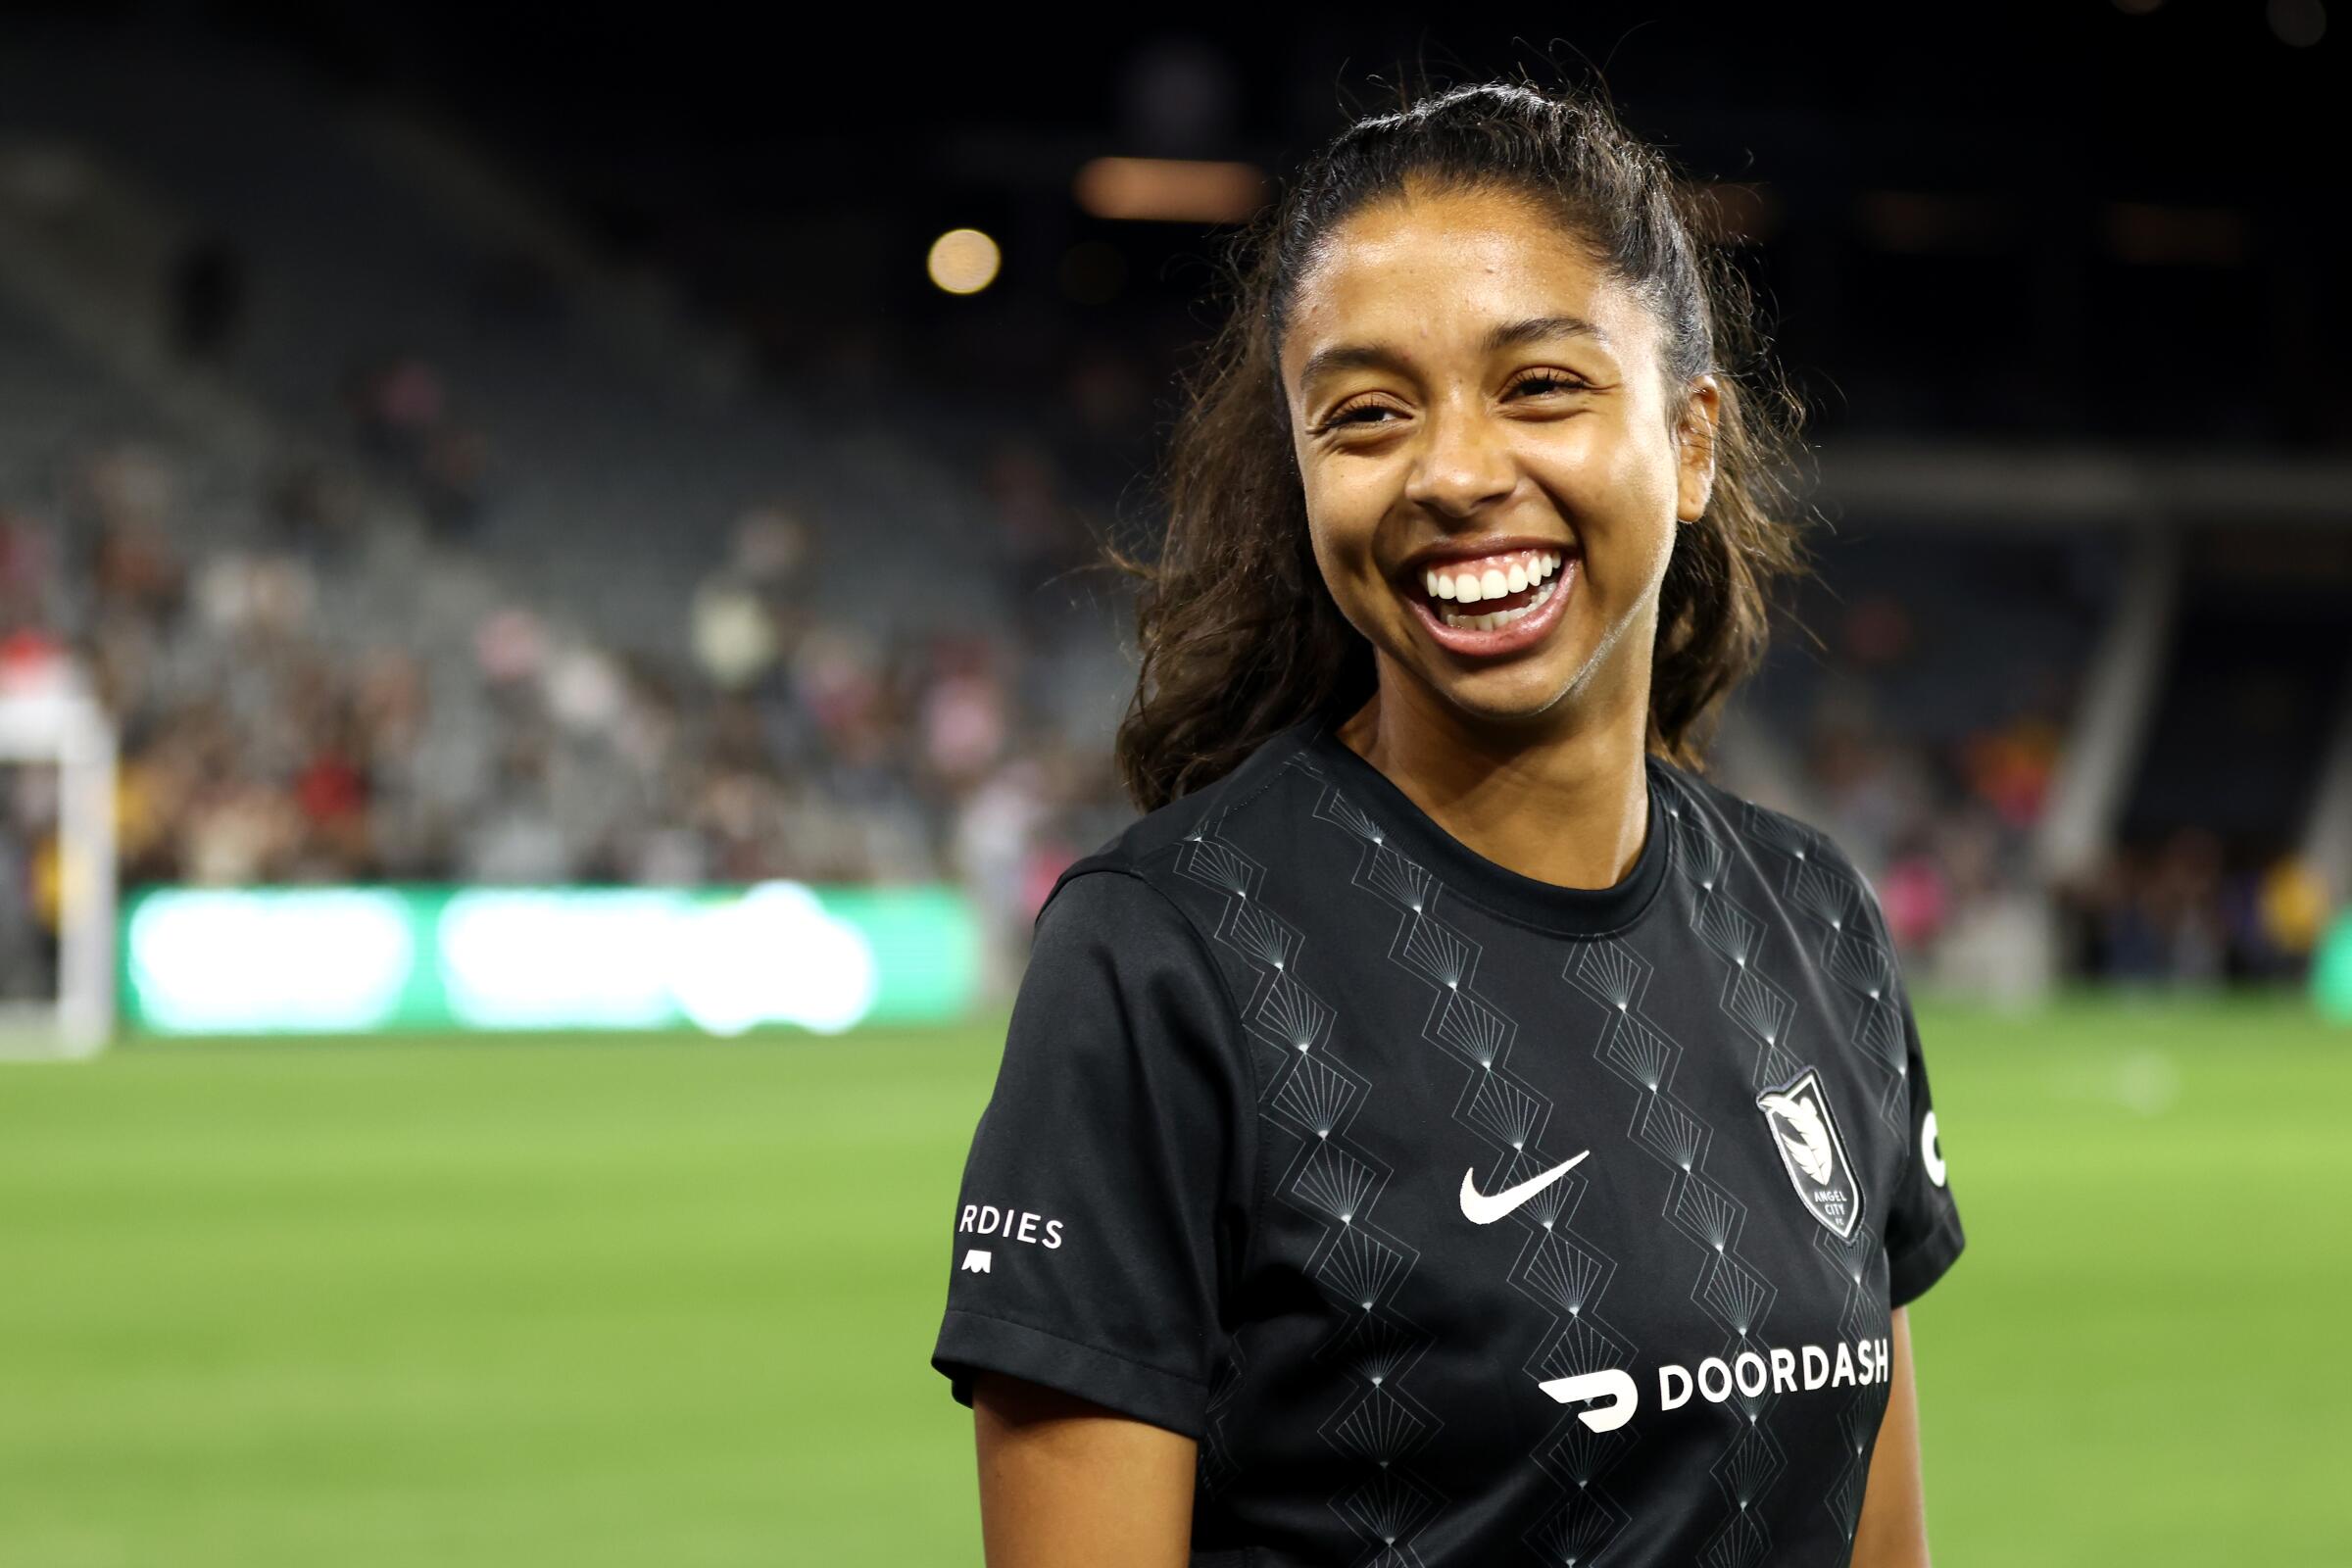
1526 631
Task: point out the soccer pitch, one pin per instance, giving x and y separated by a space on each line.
589 1303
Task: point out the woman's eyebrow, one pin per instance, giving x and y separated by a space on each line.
1540 329
1503 335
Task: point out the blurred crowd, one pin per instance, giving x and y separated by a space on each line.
271 733
1945 819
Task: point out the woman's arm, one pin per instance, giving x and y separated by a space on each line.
1067 1484
1893 1531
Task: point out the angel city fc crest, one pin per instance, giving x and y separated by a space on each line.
1798 1115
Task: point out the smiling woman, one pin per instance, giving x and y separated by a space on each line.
1470 1131
1505 426
1498 301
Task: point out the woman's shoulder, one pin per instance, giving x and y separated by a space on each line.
1713 823
1146 846
1138 918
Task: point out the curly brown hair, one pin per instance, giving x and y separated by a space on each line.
1238 635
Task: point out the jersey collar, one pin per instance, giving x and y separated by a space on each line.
1544 906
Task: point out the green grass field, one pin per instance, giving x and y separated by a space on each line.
594 1302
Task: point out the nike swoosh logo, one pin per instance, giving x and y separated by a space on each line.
1480 1209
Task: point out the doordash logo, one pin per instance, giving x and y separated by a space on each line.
1780 1369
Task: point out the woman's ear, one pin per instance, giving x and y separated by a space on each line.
1694 448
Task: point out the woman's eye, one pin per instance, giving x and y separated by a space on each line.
1543 382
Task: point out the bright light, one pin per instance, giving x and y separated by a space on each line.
524 959
724 960
621 958
321 959
964 260
774 955
1169 189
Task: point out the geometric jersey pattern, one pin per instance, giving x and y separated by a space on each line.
1844 949
1562 1271
1764 1012
1730 1288
1314 1094
1387 1009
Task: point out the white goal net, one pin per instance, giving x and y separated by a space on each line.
56 876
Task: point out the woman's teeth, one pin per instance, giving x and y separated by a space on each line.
1496 620
1491 577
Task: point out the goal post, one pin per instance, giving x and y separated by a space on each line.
66 729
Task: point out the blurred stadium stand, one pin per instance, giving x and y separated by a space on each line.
409 535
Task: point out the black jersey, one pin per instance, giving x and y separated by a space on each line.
1462 1217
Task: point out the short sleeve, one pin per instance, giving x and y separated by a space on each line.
1106 1198
1923 1222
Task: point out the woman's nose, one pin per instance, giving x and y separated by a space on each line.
1464 464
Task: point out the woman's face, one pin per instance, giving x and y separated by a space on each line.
1492 480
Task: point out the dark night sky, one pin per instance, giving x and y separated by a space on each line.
2196 95
785 172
